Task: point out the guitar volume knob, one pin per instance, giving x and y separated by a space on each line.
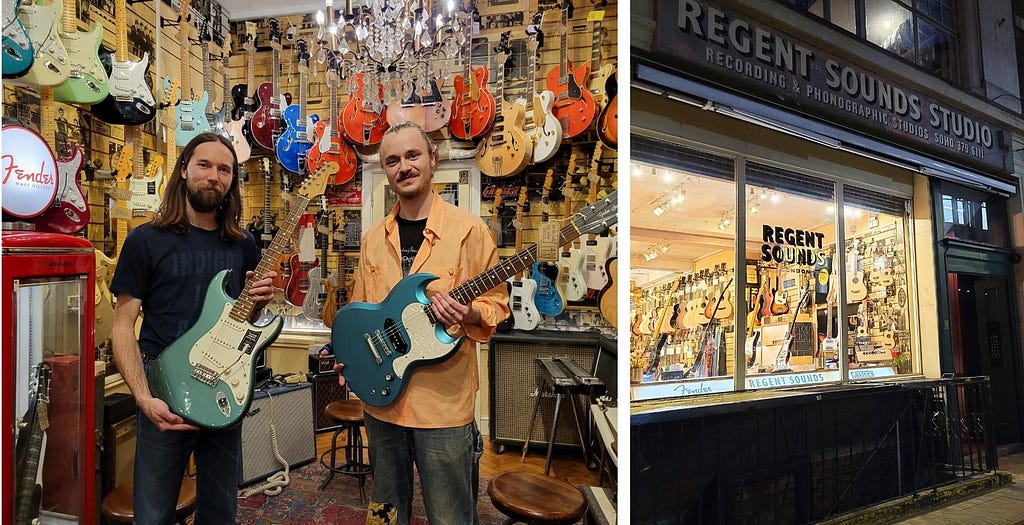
385 391
389 377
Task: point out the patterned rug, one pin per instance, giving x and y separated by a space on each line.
302 502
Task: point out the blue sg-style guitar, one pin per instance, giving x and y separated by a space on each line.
17 46
206 375
296 139
384 343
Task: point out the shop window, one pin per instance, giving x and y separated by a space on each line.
684 217
972 215
877 284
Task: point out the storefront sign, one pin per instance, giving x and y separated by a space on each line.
792 246
727 45
29 173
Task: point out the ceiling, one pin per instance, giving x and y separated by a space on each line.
248 9
691 229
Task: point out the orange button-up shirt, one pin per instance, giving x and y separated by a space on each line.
457 246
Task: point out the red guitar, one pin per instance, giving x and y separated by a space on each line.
328 145
574 106
472 104
300 264
364 119
267 118
69 212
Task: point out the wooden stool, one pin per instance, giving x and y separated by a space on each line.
535 498
349 413
117 506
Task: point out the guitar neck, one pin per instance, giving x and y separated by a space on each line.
207 76
121 26
244 306
501 272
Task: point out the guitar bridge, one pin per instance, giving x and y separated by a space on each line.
204 375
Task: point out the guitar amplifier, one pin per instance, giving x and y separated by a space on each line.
516 380
290 409
325 390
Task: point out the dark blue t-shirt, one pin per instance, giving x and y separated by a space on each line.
171 273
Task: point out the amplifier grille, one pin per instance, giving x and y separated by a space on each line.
515 381
290 408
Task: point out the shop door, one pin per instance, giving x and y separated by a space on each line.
983 345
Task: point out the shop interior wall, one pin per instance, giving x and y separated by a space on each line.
103 143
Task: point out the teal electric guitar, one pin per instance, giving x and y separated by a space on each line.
382 344
206 375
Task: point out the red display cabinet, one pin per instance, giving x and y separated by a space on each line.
49 443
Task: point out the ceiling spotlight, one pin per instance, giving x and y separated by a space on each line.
763 195
664 248
755 208
679 197
659 210
775 198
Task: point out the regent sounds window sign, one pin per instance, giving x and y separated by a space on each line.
29 173
792 246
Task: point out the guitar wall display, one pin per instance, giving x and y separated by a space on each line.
50 65
87 82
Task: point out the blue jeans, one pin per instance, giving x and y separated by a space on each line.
447 460
160 461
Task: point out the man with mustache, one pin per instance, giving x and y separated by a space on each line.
164 270
431 424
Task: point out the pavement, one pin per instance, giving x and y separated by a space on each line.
1003 505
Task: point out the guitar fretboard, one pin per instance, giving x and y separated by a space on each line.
499 273
244 307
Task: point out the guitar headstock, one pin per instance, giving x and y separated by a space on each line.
265 168
302 55
521 208
316 182
154 165
249 42
599 215
273 33
124 165
183 25
333 74
501 50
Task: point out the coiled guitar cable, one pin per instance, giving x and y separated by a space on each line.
275 483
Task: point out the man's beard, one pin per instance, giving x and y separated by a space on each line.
204 201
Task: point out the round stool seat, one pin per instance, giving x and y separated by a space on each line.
345 410
536 498
117 506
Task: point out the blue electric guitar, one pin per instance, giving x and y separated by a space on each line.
17 46
206 375
383 343
548 296
296 140
191 113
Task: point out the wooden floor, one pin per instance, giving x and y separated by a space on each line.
567 465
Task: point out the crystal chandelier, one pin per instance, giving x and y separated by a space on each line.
397 42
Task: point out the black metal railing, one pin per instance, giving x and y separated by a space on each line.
803 456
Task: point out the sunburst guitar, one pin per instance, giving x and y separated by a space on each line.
206 375
507 150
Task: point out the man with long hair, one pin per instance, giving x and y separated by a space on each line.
163 271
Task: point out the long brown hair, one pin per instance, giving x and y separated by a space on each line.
173 214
